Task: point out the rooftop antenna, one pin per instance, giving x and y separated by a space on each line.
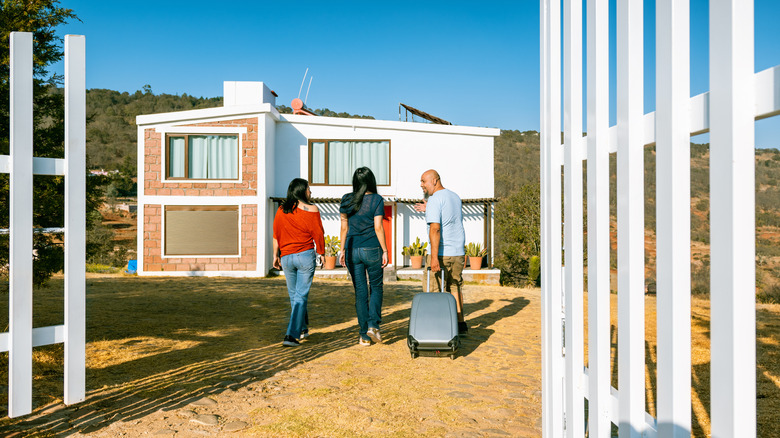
302 81
307 90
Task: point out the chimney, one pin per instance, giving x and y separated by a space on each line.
247 93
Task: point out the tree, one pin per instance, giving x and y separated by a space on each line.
41 17
518 237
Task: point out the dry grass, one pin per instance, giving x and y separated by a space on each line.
158 344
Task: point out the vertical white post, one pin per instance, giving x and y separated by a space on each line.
673 217
630 221
573 281
732 219
21 224
598 218
552 360
75 218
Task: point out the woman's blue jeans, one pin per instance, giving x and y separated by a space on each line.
365 266
299 273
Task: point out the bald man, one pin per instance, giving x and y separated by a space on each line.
444 215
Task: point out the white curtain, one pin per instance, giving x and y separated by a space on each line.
176 157
340 163
213 157
345 157
317 162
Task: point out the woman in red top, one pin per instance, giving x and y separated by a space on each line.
297 229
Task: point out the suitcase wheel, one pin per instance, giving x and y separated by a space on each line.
452 356
414 355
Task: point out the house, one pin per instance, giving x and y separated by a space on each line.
211 179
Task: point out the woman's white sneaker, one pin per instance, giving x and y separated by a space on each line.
374 334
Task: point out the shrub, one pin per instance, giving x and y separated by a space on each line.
535 271
769 294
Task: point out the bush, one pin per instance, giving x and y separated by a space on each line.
769 294
535 271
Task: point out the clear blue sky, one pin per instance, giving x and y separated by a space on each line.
471 63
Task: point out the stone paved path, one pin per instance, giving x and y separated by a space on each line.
332 387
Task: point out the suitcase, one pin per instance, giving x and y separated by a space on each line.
433 324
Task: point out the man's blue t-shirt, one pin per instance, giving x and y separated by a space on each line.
361 233
444 207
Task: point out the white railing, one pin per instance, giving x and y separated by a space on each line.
727 112
21 165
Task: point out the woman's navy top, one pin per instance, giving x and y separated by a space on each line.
361 232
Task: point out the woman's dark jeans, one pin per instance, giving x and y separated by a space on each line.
362 263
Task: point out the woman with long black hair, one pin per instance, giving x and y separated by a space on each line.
297 229
364 251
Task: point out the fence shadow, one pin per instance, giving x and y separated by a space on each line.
187 339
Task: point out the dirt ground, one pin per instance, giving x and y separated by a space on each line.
202 357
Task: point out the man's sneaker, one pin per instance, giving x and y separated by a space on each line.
374 334
289 341
463 328
363 342
304 334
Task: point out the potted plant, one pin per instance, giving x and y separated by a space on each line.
332 247
475 252
416 251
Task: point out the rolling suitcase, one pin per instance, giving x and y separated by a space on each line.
433 324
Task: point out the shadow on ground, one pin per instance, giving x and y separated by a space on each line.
161 344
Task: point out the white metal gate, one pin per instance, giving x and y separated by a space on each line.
737 97
21 336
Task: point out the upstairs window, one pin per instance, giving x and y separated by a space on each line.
332 162
202 156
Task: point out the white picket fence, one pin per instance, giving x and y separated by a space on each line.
727 112
21 336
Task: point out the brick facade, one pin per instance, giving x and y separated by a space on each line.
152 214
153 171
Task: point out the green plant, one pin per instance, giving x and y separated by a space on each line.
475 250
416 248
332 246
535 271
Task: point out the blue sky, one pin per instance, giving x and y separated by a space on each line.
471 63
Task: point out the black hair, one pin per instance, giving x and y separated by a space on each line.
363 181
296 192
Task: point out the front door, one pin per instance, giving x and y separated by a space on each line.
387 224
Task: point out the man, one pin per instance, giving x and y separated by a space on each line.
444 215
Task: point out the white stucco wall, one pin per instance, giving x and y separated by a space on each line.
463 156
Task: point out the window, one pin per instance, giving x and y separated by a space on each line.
201 156
201 230
332 162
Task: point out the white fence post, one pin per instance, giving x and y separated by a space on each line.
21 224
573 238
732 219
630 220
597 17
75 218
21 337
550 157
673 210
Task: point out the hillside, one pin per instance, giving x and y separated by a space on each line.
517 163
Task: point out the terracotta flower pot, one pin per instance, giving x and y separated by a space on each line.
330 262
416 261
475 262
